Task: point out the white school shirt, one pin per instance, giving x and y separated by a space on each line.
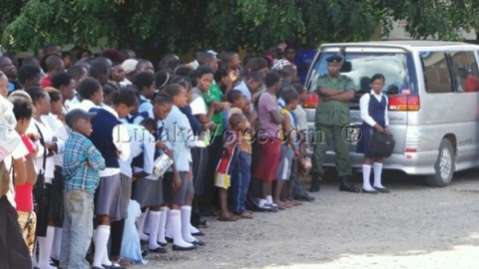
85 105
47 134
364 108
198 104
60 132
179 138
141 141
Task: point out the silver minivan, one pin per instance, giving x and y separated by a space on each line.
433 92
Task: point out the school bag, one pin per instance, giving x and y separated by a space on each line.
381 145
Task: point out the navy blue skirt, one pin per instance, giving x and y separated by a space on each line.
364 140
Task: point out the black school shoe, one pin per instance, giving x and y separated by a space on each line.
199 243
382 190
178 248
198 234
159 250
162 244
347 186
373 191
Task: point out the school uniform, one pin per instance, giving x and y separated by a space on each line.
199 154
110 137
374 111
46 199
179 139
61 135
145 107
148 190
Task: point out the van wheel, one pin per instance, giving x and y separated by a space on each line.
444 167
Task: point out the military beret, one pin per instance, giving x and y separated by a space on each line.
335 58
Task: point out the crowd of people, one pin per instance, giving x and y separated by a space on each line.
110 157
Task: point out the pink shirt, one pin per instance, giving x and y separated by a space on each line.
266 104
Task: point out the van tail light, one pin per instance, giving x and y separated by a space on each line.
404 103
311 101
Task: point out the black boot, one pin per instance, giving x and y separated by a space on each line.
315 183
346 185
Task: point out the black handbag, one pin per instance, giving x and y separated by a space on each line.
39 189
381 145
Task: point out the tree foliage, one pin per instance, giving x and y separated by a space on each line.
185 25
436 18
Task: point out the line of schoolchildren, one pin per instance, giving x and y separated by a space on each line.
83 177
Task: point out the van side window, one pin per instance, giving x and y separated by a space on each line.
465 71
436 72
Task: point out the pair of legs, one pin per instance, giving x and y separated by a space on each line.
179 226
337 136
225 214
241 180
377 165
77 229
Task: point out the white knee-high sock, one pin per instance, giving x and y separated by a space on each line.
45 248
185 224
101 240
367 177
163 220
378 171
175 221
169 226
154 220
193 229
57 243
141 225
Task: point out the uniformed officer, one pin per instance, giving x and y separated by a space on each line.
332 118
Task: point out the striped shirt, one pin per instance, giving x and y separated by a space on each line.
82 163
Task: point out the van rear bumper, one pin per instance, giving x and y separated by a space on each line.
420 163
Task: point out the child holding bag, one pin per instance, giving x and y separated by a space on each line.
374 113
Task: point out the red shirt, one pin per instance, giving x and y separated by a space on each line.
24 192
46 81
24 197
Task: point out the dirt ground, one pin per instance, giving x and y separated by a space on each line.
415 226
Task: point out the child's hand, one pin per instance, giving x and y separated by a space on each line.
379 128
4 179
176 182
33 137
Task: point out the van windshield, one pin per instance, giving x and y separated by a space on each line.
397 68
